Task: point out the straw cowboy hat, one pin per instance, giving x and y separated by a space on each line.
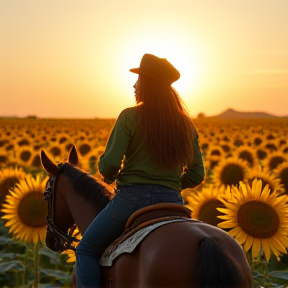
157 68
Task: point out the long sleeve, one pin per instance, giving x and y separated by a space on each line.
110 162
194 173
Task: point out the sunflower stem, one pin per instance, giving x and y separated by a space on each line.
36 264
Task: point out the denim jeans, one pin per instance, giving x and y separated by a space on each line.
110 224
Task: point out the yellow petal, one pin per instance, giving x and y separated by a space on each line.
277 244
266 249
234 232
256 247
227 224
248 243
241 237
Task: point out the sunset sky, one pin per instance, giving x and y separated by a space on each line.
71 58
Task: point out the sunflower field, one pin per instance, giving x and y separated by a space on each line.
245 192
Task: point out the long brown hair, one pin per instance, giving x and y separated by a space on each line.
165 124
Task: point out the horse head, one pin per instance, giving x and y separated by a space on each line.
58 237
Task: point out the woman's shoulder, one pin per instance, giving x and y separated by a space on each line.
129 112
127 118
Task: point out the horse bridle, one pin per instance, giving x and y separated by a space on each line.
62 241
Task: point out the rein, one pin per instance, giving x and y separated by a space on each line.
62 241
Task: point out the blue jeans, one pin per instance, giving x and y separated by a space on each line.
110 224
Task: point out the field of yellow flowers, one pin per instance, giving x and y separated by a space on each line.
245 192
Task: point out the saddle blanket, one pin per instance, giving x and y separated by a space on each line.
129 244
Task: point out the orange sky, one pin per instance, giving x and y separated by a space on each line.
71 58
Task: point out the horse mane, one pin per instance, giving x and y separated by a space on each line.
94 190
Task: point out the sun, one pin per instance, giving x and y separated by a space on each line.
187 58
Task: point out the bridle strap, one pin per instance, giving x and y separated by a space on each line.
64 240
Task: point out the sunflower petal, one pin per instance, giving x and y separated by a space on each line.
266 249
256 247
248 243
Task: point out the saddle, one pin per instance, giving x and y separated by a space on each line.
140 224
157 212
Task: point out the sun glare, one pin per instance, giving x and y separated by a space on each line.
189 62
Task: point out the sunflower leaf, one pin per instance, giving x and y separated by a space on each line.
5 240
54 258
59 275
279 274
13 265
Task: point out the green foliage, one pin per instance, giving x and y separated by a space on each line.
263 274
17 264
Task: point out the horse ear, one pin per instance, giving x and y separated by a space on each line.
48 164
73 156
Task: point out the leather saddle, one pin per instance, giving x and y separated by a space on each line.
157 212
153 214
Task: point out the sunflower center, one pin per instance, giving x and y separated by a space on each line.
275 161
55 151
257 141
246 156
208 212
216 152
261 154
25 155
84 149
232 174
32 210
258 219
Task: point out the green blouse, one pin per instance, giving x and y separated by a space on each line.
125 159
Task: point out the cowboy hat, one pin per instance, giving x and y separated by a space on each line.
157 68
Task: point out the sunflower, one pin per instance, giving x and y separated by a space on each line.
24 155
226 146
211 163
281 173
257 219
285 149
230 171
267 178
271 146
8 178
84 147
261 153
4 158
204 204
239 141
215 151
56 151
25 210
247 154
70 253
257 140
274 159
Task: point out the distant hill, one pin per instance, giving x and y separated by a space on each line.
233 114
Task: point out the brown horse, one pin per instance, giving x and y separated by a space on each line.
184 253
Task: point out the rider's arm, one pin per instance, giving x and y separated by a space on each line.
194 173
110 162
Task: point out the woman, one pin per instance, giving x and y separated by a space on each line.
152 153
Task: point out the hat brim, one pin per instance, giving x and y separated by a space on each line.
135 70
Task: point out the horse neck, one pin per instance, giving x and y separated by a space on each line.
82 210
